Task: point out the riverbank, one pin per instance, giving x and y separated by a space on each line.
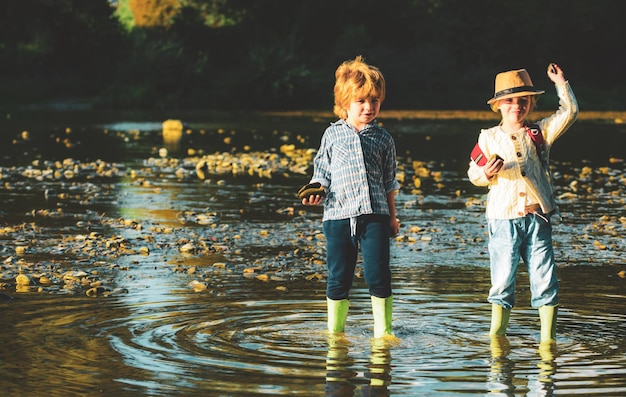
618 117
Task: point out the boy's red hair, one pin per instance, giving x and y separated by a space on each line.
355 79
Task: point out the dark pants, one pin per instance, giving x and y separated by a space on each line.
372 234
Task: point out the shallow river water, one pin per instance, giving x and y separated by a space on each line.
188 268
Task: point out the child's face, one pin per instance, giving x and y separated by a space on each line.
515 109
363 111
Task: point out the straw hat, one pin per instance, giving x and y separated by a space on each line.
512 84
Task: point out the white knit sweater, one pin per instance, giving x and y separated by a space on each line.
522 181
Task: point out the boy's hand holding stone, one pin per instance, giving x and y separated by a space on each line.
311 193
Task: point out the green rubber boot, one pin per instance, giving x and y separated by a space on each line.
499 320
337 314
382 310
547 317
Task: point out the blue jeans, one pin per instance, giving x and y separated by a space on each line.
528 238
372 234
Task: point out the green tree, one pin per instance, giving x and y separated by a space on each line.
67 46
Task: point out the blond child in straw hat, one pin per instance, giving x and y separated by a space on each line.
511 159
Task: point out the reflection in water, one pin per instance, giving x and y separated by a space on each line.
341 378
502 375
339 374
379 369
547 369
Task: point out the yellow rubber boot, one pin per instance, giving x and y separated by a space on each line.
499 320
337 314
547 317
382 311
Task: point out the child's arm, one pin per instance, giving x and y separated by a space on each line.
321 166
393 221
555 125
555 73
482 175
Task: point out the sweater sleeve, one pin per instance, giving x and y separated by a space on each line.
477 175
556 125
475 172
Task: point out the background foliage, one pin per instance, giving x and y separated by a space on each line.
281 54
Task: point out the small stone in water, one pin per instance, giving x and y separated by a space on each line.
22 279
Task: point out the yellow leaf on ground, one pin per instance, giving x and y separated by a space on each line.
263 277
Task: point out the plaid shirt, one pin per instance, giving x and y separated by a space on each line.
358 169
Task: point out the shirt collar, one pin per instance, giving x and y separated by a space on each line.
373 124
